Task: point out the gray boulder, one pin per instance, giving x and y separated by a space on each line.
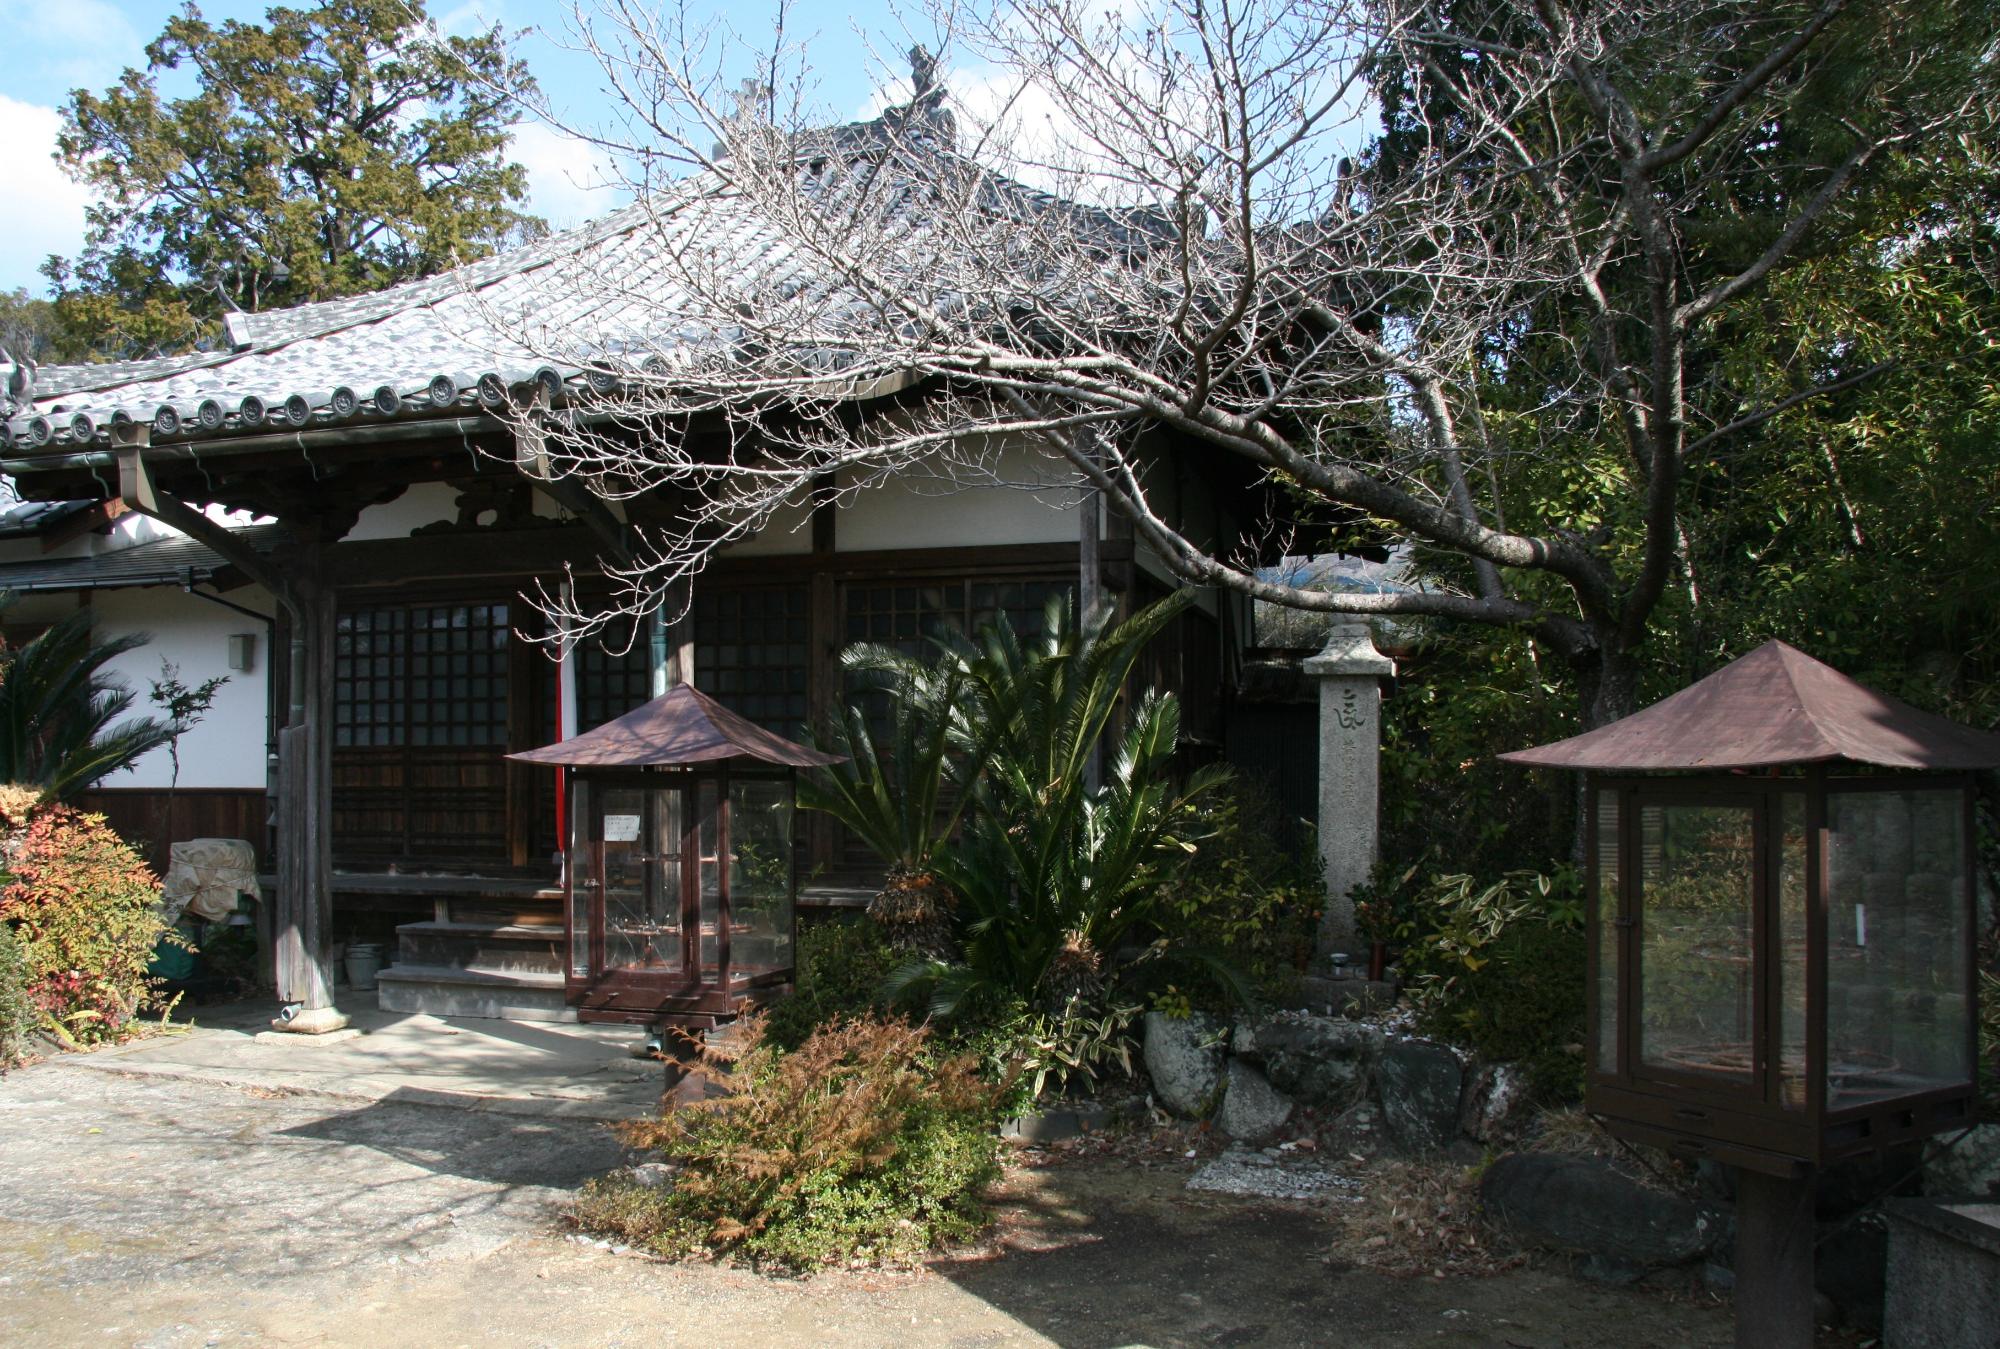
1320 1060
1357 1131
1969 1170
1496 1103
1587 1207
1421 1083
1184 1059
1252 1109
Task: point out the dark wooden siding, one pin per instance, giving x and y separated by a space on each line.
143 817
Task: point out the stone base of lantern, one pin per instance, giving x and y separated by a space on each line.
1944 1273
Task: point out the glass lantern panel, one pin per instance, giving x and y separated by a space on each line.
642 893
1696 916
1609 888
579 860
760 876
709 894
1897 933
1791 966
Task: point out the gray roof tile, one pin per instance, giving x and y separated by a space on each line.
170 561
603 292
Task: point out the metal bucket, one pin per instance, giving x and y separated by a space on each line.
364 962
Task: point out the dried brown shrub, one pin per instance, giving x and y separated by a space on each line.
1423 1218
855 1145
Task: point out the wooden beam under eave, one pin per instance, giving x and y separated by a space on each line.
136 491
98 516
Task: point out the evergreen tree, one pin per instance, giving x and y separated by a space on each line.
329 151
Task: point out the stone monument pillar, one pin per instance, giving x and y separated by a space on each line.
1350 672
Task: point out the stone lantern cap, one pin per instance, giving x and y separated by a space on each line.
1350 650
681 726
1776 706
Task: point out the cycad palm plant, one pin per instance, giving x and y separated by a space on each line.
1053 872
57 709
904 799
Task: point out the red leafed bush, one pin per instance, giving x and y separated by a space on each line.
84 910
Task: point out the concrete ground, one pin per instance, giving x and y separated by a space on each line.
202 1192
515 1067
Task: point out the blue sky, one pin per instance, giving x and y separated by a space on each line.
53 46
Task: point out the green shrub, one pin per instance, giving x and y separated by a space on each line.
1499 968
85 911
841 966
17 1008
1246 899
859 1144
1054 877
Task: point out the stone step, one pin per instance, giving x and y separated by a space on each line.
539 912
510 948
449 990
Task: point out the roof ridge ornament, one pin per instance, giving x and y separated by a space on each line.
20 374
923 73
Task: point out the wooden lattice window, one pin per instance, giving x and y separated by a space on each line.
907 615
610 685
369 649
751 654
421 675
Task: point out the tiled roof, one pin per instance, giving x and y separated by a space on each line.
606 294
26 519
170 561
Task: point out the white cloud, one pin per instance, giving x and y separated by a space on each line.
43 208
569 181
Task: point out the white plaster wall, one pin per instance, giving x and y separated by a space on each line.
226 748
422 504
1015 501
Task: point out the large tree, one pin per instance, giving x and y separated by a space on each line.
330 150
1462 273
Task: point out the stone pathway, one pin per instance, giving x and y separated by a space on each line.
513 1067
160 1206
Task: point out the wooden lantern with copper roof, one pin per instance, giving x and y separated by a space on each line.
1782 966
682 882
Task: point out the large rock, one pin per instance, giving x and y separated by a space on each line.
1252 1109
1184 1059
1971 1169
1585 1206
1497 1103
1420 1087
1319 1060
1357 1132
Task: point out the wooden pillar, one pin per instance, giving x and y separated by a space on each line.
304 909
825 682
1774 1260
1090 595
302 912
